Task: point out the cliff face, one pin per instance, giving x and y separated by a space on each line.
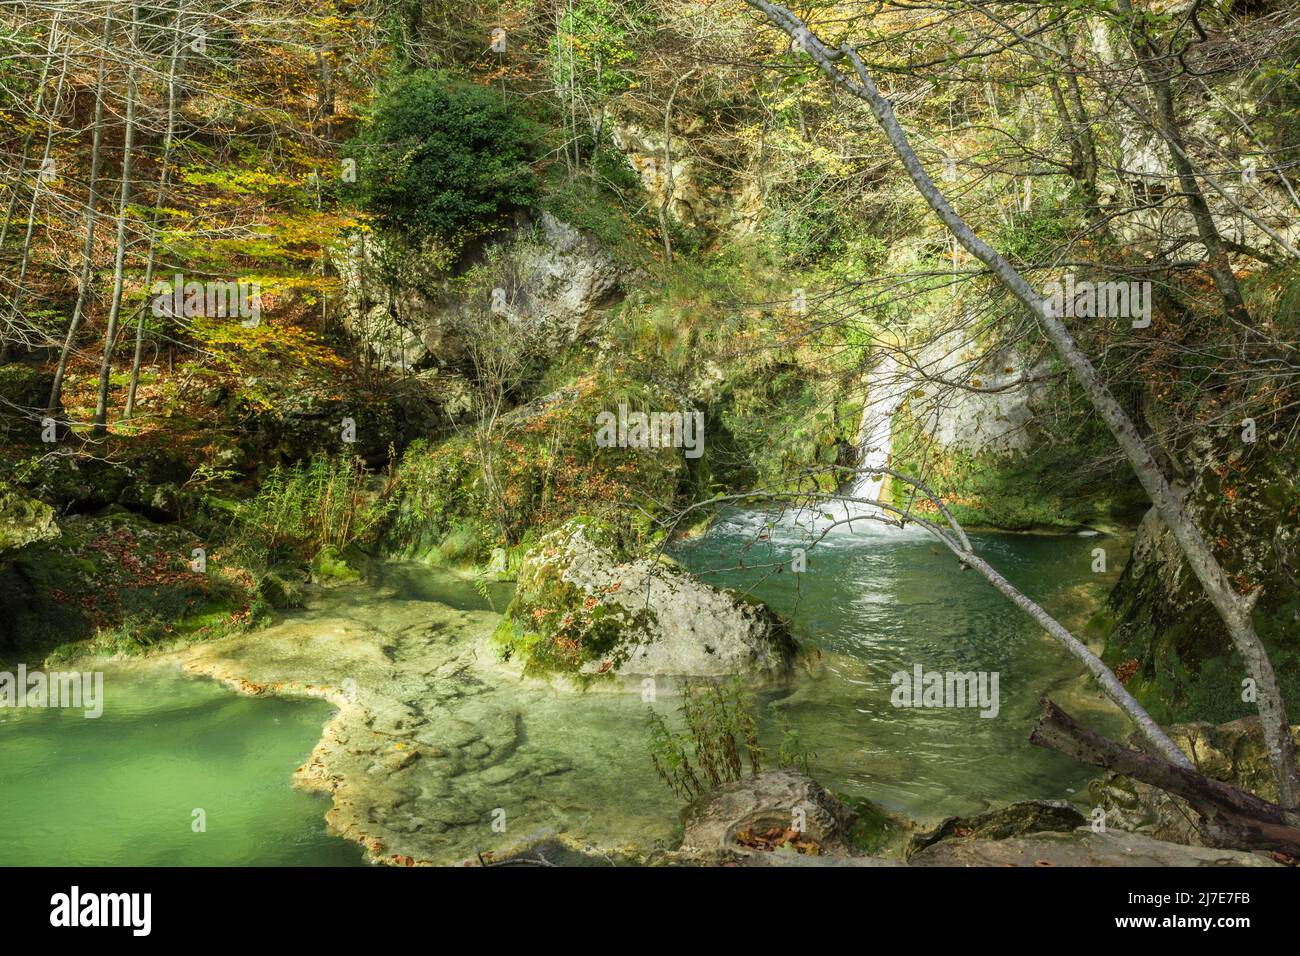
1245 497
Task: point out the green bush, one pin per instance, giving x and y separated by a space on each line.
444 159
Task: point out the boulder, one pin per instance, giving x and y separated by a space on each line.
548 279
774 799
23 519
577 607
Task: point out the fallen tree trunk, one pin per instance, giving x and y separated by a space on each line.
1229 817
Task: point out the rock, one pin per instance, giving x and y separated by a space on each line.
639 617
1079 848
24 393
998 421
1018 819
1233 752
774 798
498 566
23 519
1242 496
699 200
547 278
1000 452
279 592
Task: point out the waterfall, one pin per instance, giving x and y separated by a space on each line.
886 388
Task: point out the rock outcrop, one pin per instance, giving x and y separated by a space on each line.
578 608
548 279
1243 495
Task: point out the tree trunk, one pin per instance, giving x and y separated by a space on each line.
12 332
1229 817
1167 125
119 262
153 225
83 289
27 140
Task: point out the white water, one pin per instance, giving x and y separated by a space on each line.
886 388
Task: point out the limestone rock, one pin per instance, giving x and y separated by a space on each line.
774 798
651 618
1016 820
549 279
1079 848
23 520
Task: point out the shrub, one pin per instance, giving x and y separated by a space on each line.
444 159
720 730
303 509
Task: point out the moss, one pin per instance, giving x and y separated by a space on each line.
1053 487
331 566
1159 617
23 520
876 831
555 627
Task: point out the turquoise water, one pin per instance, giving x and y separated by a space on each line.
876 601
121 789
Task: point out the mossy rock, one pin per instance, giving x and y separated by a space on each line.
280 592
582 608
24 386
331 567
23 520
115 583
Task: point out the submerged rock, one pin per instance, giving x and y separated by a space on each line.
579 610
1018 819
1079 848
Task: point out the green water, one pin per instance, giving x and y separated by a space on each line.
121 789
877 600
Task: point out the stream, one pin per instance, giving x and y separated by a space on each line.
449 753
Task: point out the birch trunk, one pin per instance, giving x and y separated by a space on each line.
88 251
153 225
12 332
